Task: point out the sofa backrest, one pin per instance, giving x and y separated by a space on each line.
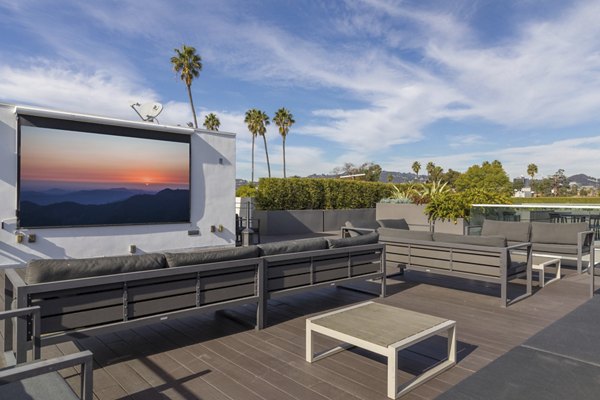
369 238
548 232
491 241
404 234
210 256
39 271
292 246
513 231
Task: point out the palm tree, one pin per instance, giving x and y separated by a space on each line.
257 122
284 120
416 167
262 120
532 169
211 122
188 64
249 120
430 168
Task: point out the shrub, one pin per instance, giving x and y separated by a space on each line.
451 206
316 194
246 191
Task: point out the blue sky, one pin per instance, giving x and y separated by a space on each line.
449 81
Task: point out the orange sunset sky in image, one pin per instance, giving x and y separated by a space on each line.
53 158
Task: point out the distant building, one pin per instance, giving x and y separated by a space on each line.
525 192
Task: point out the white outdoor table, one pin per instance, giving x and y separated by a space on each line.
384 330
541 263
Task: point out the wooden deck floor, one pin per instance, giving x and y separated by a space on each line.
219 356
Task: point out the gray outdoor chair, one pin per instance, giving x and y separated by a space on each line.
39 379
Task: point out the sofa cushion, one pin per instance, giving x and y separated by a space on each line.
512 231
292 246
404 234
553 248
493 241
59 270
210 256
548 232
368 238
393 223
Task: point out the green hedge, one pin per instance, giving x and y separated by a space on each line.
556 200
318 194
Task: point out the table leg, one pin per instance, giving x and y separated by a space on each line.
395 392
309 342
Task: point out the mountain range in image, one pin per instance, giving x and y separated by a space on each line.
56 207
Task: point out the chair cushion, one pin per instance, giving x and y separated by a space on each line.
368 238
292 246
59 270
393 223
492 241
512 231
393 234
211 256
548 232
552 248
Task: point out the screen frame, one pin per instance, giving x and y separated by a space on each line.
101 129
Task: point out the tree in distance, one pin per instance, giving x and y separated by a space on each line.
211 122
532 169
257 122
284 120
416 167
188 64
489 177
371 171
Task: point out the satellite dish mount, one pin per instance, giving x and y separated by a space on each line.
148 111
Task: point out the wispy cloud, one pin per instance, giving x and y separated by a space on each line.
396 68
459 141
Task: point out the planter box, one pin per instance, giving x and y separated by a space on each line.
417 219
292 222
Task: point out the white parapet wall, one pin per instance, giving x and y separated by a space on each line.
212 199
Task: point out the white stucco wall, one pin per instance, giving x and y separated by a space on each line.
212 202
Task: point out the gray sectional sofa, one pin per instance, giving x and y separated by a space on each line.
483 258
80 297
567 241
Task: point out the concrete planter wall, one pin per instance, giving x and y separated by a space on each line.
417 219
291 222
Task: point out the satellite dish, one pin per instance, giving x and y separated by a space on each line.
148 111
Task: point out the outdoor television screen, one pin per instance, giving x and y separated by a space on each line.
83 174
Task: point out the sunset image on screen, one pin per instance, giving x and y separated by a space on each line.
82 178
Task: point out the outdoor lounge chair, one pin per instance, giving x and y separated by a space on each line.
39 379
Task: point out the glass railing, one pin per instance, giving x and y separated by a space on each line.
555 213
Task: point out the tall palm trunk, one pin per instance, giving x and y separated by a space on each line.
284 157
252 181
189 88
267 154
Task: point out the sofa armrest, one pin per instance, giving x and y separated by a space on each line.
14 277
345 231
35 313
30 370
585 238
524 245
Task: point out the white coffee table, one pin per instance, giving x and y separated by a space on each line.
540 264
384 330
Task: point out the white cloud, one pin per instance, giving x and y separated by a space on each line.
459 141
61 87
573 155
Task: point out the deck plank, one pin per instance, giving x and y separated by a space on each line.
218 356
